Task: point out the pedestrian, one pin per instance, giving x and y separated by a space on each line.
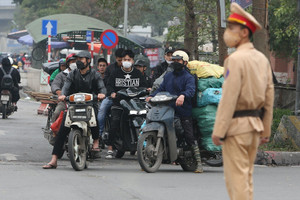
244 115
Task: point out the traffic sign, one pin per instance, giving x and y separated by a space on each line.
109 39
49 27
88 36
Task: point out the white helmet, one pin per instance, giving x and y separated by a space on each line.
180 55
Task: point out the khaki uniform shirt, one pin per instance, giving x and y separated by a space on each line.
248 85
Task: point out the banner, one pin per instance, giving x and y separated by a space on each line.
243 3
153 55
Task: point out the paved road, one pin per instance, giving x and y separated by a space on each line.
23 151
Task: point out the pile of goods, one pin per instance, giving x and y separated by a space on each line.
209 92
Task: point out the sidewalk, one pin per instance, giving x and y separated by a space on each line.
277 158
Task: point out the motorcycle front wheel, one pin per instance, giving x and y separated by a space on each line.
4 111
146 152
77 150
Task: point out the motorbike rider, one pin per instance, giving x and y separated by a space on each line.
101 66
107 102
122 78
161 68
61 67
58 84
82 79
181 83
141 66
7 67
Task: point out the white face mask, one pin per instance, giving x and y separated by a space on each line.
169 62
126 64
73 66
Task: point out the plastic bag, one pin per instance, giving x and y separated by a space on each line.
209 96
212 82
56 125
205 70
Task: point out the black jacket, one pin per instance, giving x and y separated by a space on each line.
160 69
122 80
109 70
88 83
14 74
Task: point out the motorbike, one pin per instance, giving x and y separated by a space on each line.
160 142
132 104
80 117
6 106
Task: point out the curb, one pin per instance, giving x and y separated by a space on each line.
277 158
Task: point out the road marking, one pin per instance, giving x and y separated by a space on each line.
9 156
2 133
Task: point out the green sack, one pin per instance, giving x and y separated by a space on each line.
207 144
212 82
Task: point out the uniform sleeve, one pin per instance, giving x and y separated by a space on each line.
231 92
268 106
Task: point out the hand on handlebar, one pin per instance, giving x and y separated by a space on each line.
180 100
61 97
113 95
101 96
148 99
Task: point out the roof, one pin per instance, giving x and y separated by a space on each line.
67 23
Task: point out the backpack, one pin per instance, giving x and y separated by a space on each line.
7 80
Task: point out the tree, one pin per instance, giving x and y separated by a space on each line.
284 28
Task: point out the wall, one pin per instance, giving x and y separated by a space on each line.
285 97
32 79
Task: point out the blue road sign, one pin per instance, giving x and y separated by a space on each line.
109 39
49 26
88 36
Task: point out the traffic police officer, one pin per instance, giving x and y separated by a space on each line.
245 111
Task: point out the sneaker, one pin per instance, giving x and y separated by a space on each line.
109 154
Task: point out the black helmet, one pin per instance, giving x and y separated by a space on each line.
140 63
84 54
6 62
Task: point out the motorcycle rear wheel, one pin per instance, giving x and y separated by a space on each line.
77 150
4 111
145 152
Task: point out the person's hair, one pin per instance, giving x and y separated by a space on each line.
129 53
119 52
102 60
250 32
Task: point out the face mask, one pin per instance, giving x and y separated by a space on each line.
73 66
231 39
169 62
177 66
126 64
80 65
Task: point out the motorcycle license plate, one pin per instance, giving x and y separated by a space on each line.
4 97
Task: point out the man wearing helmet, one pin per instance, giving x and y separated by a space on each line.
61 67
15 75
181 83
82 79
58 84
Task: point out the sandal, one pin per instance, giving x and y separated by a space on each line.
49 166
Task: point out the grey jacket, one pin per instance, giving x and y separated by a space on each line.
58 82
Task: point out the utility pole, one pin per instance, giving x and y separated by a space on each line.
297 103
221 29
125 17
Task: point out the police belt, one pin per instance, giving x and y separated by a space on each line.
249 113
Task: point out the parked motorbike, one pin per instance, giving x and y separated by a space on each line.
6 106
160 142
132 104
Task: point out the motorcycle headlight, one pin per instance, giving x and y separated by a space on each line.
80 97
160 98
142 112
133 112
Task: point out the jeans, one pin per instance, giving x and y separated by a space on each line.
103 109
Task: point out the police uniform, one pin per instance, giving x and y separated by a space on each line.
247 90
